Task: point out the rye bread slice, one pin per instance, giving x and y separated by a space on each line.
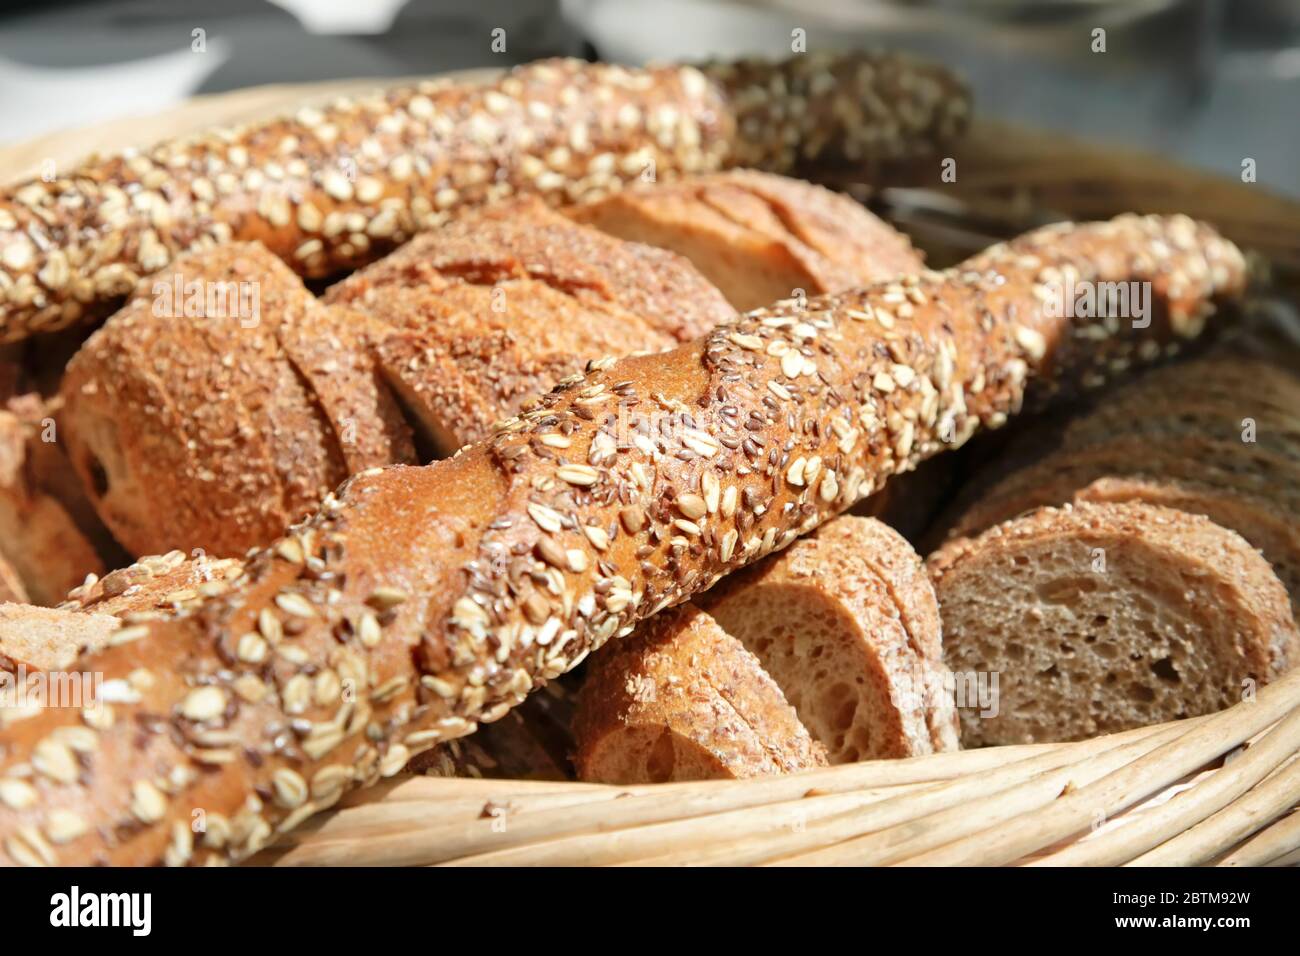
683 700
1097 618
1274 534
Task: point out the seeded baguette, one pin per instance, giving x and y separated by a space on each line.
759 237
684 700
334 188
440 596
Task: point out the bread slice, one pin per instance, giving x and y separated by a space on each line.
1097 618
759 237
682 700
848 627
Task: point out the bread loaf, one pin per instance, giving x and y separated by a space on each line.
440 596
333 188
683 700
1097 618
846 623
229 393
759 237
501 304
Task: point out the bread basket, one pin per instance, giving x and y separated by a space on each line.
1217 789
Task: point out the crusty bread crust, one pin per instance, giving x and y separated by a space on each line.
683 700
440 596
493 310
334 188
759 237
241 421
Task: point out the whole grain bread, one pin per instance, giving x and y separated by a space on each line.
683 700
1097 618
497 307
440 596
228 392
759 237
846 623
333 188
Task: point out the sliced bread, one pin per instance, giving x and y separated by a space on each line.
848 627
1097 618
682 700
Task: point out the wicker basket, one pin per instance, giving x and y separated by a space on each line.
1213 789
1216 789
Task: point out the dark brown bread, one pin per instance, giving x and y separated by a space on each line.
440 596
333 188
683 700
1097 618
759 237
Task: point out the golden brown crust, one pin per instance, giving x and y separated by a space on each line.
218 389
683 700
759 237
441 595
331 189
494 309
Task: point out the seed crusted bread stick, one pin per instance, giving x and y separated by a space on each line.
420 601
331 189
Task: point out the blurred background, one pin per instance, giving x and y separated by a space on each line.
1207 81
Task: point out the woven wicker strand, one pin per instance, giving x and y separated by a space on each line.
1036 804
